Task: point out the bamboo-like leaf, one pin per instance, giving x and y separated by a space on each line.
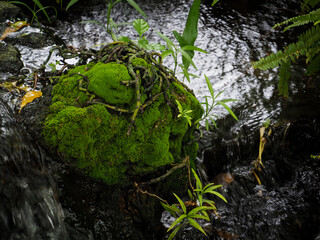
187 57
136 6
228 100
214 123
184 209
70 4
196 225
228 109
173 211
43 9
141 26
214 2
210 202
209 86
174 232
177 221
198 182
219 195
211 188
170 44
166 53
197 210
189 47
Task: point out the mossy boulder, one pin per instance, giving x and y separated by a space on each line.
93 135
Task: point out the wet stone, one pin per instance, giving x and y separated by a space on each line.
33 40
9 11
9 58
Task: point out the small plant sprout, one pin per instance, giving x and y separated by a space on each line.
185 113
200 208
214 102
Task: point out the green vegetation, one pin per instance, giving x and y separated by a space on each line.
90 118
307 45
197 208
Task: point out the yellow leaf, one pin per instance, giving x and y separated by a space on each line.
29 97
13 28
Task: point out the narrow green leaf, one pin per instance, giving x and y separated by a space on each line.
211 203
166 53
136 6
214 2
157 47
228 109
198 182
179 38
209 86
196 225
214 123
196 210
187 57
229 100
174 232
219 195
40 6
70 4
184 209
170 209
168 41
189 47
178 220
210 188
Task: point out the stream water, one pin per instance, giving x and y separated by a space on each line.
287 203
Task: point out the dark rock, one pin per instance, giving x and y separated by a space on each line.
34 40
9 59
9 11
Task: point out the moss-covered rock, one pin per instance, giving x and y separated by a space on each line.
90 129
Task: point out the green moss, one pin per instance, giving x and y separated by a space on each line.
105 82
95 138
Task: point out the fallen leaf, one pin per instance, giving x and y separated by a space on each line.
29 97
13 28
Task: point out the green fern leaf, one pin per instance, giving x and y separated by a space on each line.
313 16
284 74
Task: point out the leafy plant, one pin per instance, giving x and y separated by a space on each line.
308 45
200 207
185 113
111 24
186 41
174 50
214 102
37 7
141 27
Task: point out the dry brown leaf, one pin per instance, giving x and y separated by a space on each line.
13 28
29 97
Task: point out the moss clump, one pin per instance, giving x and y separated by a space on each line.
105 82
95 138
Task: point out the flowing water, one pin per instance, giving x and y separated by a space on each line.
284 206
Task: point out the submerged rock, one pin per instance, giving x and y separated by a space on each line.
9 59
107 126
9 11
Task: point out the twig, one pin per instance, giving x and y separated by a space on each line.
176 167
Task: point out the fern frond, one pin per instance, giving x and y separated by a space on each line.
308 45
313 16
290 53
284 75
